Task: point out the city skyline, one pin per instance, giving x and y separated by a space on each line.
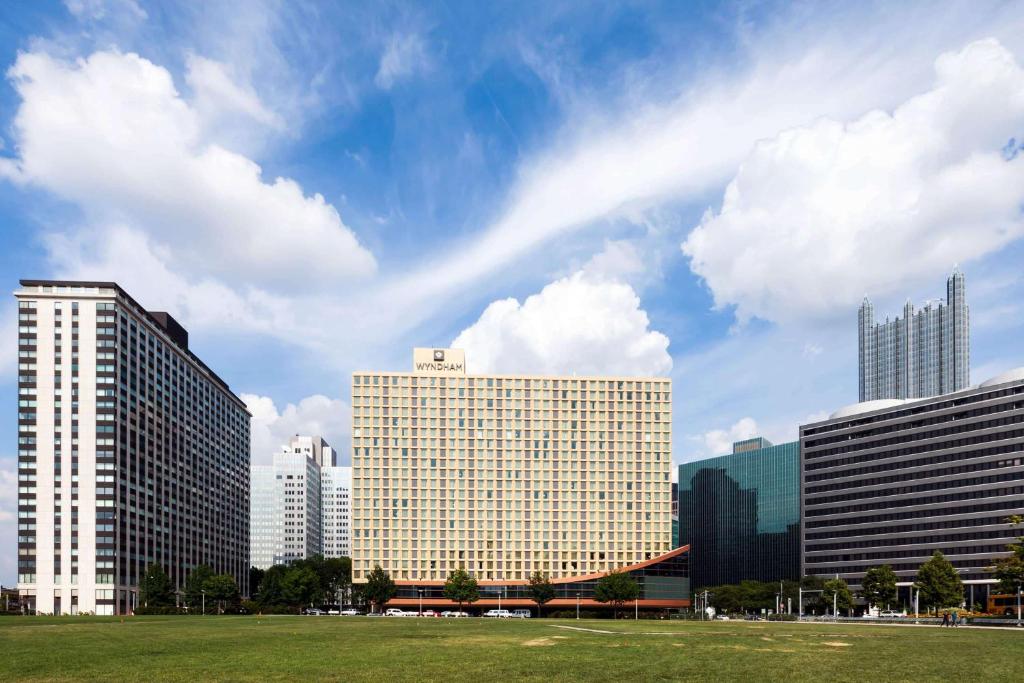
544 188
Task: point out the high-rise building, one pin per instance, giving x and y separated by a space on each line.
740 514
890 482
504 475
924 353
287 512
131 451
336 491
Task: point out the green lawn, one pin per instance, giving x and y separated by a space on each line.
198 649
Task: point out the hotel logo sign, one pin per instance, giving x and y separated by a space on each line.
439 361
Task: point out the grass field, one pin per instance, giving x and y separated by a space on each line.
362 649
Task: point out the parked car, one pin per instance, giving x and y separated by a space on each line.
521 614
724 617
394 612
313 612
454 614
428 613
891 614
350 612
498 614
374 614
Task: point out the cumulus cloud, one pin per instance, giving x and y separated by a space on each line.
315 415
578 324
819 215
404 55
720 441
112 134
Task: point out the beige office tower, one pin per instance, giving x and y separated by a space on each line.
503 475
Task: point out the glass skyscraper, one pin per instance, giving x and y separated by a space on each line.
740 514
924 353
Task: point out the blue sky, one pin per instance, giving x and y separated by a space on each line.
703 190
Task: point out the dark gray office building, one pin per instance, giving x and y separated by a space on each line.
891 481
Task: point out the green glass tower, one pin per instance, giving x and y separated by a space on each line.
740 514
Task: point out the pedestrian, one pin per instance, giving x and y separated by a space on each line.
945 619
956 619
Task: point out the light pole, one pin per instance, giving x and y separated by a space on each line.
1018 604
577 606
499 599
204 601
420 592
636 609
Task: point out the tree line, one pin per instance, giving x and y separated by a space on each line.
938 584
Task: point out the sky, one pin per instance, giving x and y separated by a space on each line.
701 190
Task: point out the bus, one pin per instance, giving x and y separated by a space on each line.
1003 603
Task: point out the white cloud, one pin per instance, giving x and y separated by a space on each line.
154 277
112 134
821 214
620 259
404 54
96 10
720 441
8 340
315 415
218 95
577 324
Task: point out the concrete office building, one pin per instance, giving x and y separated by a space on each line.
504 475
287 514
130 451
924 353
336 491
740 514
890 482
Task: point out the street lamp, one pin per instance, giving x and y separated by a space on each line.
420 591
577 606
203 591
1018 604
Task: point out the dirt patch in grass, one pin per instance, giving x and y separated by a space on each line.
835 643
539 642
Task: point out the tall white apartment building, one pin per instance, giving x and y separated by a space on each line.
336 491
924 353
507 474
131 451
286 518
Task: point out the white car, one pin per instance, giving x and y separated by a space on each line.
891 614
350 612
454 614
394 612
498 614
521 614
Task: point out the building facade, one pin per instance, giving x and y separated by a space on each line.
890 482
130 451
287 507
924 353
740 514
504 475
336 491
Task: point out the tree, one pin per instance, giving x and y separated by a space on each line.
1010 570
271 592
938 583
300 586
337 575
379 587
541 590
616 588
223 590
155 588
255 579
879 586
195 584
837 589
461 587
